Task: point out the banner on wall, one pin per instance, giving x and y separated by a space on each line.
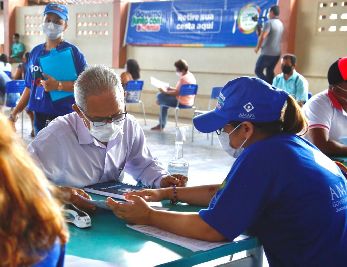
216 23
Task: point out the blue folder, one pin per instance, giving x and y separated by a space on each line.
59 65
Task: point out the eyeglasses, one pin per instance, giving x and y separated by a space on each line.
99 122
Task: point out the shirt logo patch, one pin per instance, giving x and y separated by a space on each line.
248 107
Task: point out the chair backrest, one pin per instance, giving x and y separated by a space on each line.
9 74
134 85
215 92
13 87
188 89
214 95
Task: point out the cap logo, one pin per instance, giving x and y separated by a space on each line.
248 107
220 101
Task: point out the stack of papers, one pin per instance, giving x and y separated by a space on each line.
158 83
189 243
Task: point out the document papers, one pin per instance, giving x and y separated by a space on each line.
189 243
158 83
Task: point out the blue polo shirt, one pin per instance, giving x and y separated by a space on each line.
291 196
40 101
296 85
55 257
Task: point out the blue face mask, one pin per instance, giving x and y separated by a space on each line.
52 30
224 140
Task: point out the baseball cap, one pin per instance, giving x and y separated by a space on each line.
60 10
243 99
338 71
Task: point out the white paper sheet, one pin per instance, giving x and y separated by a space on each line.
189 243
74 261
158 83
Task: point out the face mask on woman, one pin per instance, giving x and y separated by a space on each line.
107 132
52 30
224 141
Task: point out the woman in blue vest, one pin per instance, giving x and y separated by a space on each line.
39 85
281 188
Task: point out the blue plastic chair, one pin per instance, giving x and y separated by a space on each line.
186 89
133 91
9 74
13 90
214 95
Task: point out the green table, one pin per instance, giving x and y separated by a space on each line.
110 240
340 159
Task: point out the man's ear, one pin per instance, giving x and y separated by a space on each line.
78 111
65 27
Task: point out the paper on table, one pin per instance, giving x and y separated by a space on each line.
189 243
158 83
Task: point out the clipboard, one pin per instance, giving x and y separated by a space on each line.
60 65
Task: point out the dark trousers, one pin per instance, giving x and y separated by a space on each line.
268 63
41 120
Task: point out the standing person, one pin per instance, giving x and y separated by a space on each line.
326 112
20 74
32 228
38 84
169 97
281 188
17 49
291 81
132 72
270 43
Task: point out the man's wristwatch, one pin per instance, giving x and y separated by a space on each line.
60 86
12 118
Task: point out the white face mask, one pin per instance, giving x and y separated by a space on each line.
52 30
107 132
224 141
178 73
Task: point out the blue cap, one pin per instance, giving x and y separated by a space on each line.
243 99
60 10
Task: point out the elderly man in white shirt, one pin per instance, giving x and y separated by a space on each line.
98 141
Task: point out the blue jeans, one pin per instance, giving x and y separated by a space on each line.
165 101
41 120
268 63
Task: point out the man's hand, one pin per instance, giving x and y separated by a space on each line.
162 90
76 197
174 179
49 84
256 49
134 211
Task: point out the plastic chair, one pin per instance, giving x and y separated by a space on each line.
214 95
9 74
186 89
133 95
13 90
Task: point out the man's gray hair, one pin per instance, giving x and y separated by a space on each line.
96 80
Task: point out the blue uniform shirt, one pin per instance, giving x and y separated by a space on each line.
40 101
291 196
54 257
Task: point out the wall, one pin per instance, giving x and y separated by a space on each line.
2 33
317 51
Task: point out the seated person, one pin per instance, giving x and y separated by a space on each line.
327 112
20 75
168 97
281 188
3 80
99 140
132 72
4 64
32 228
17 49
291 81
